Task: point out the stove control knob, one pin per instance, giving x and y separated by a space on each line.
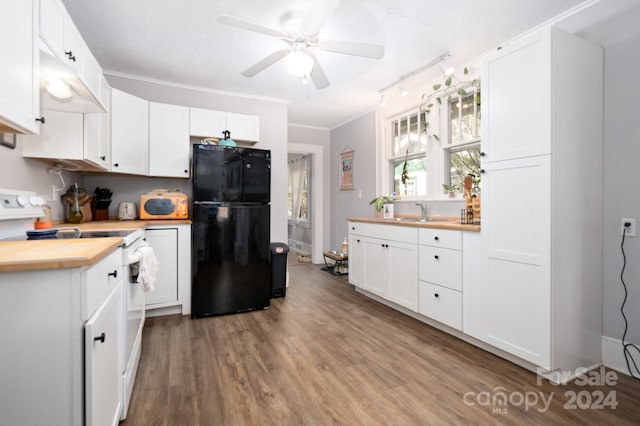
21 201
34 200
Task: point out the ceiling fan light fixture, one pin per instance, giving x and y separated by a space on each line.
299 64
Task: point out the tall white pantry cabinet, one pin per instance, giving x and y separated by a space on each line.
538 291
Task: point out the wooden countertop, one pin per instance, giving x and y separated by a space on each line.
29 255
438 223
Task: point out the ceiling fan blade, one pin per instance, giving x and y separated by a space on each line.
266 62
318 12
317 74
350 48
249 26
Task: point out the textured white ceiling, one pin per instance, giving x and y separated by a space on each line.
180 41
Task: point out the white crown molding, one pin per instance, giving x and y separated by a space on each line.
306 126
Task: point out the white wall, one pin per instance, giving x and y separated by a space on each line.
27 174
621 196
273 136
358 135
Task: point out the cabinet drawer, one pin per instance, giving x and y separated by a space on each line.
441 238
404 234
101 278
440 266
441 304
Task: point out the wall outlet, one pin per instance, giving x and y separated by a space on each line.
630 230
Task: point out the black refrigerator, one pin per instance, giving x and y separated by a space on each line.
230 230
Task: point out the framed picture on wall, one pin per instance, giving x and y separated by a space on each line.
346 170
8 140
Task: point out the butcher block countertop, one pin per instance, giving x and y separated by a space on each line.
435 222
29 255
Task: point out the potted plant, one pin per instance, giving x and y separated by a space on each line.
379 202
451 189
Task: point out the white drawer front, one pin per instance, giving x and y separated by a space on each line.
441 304
403 234
440 266
101 279
441 238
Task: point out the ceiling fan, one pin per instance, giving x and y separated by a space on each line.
303 42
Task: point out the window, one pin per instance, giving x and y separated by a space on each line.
299 172
409 145
462 153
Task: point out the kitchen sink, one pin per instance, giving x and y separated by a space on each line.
408 219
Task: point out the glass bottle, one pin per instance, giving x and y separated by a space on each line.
75 213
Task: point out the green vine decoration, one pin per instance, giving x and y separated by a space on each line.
451 84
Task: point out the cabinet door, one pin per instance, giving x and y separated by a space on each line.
60 137
403 274
516 100
243 127
356 260
52 26
168 140
376 266
97 143
165 246
103 374
206 122
129 134
19 91
516 228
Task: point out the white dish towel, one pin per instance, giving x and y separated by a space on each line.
148 268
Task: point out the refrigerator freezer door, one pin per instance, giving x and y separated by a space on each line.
230 258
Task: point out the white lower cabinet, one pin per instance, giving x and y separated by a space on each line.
442 304
172 247
388 265
49 322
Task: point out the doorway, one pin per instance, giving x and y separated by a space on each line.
305 232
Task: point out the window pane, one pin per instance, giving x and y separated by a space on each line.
417 181
463 162
414 137
466 126
455 122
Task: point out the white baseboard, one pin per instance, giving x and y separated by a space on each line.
613 355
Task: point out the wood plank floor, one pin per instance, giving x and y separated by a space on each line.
328 355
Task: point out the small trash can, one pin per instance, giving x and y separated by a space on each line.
278 261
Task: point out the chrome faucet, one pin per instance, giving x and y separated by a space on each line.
423 211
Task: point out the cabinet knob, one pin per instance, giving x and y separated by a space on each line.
186 171
353 228
358 240
482 170
436 295
69 53
482 154
436 257
100 338
113 274
436 238
116 165
103 157
41 119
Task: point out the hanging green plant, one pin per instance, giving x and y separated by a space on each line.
404 177
451 84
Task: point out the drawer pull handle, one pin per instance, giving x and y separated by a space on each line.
41 120
358 240
100 338
436 295
353 228
436 238
436 257
113 274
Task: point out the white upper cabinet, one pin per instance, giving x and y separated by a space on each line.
210 123
168 140
62 42
19 93
129 134
516 96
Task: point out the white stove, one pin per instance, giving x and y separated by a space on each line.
18 211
